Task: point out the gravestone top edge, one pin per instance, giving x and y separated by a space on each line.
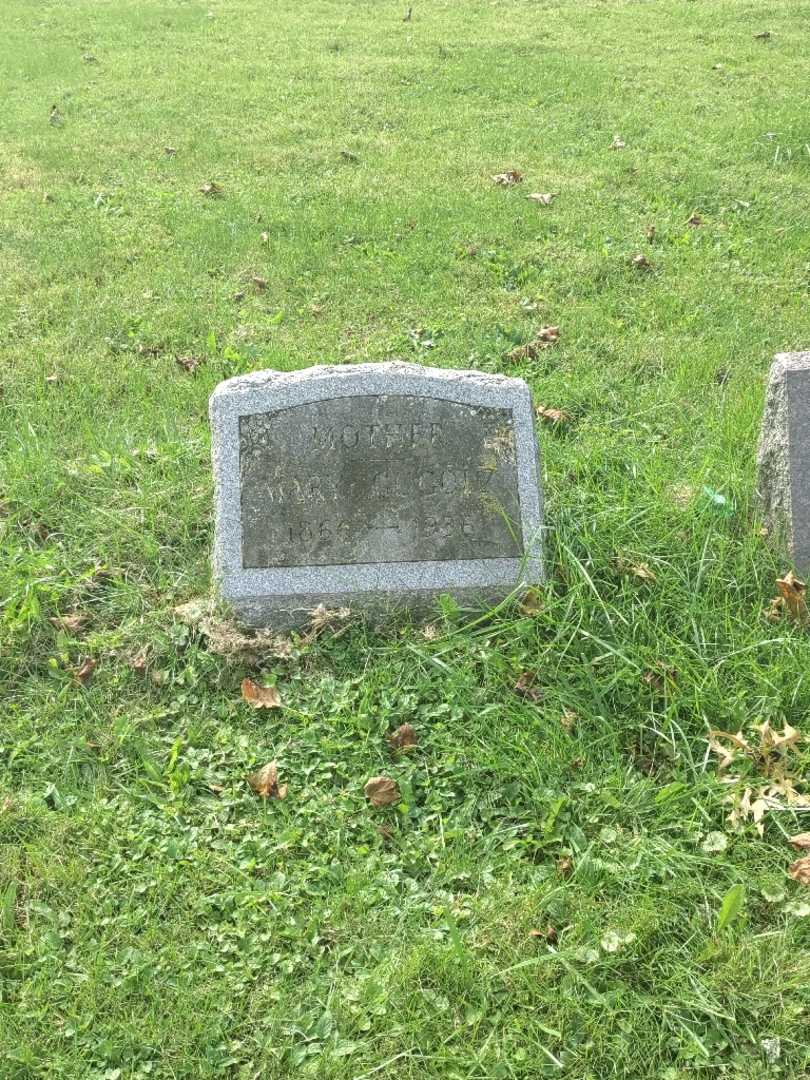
328 377
788 361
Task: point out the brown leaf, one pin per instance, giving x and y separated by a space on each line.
552 416
565 866
800 870
549 934
638 570
404 738
649 232
641 262
545 198
71 622
568 719
211 188
169 151
52 379
695 220
138 663
189 363
260 697
801 841
259 283
762 36
381 791
618 143
431 632
658 678
532 602
793 593
525 686
265 782
83 673
506 179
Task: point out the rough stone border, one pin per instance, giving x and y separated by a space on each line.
282 596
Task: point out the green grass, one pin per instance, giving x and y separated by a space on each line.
152 926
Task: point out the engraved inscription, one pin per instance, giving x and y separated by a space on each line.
378 478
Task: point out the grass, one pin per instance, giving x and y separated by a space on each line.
158 919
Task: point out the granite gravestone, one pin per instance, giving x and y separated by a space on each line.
784 455
376 486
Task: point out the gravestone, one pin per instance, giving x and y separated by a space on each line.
784 455
376 487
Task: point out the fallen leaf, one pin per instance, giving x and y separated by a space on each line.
55 116
638 570
84 672
618 143
549 934
641 262
801 841
260 697
545 198
322 617
89 58
404 738
169 151
532 602
800 870
525 686
431 632
763 35
189 363
568 719
238 296
658 678
138 663
649 232
695 220
51 379
265 781
552 416
565 866
793 592
381 791
260 283
347 155
506 179
265 237
714 843
211 188
72 622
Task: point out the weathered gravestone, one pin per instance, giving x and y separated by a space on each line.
375 486
784 455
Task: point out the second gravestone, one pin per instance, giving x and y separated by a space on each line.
376 487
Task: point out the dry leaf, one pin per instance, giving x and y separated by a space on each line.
404 738
430 632
565 866
532 602
641 262
265 237
138 663
189 363
695 220
260 283
525 686
545 198
169 151
637 570
83 673
618 143
260 697
552 416
762 36
211 188
658 678
568 719
322 617
801 841
800 870
381 791
506 179
649 232
549 934
793 593
347 155
265 782
72 622
543 338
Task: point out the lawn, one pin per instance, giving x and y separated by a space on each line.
190 191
